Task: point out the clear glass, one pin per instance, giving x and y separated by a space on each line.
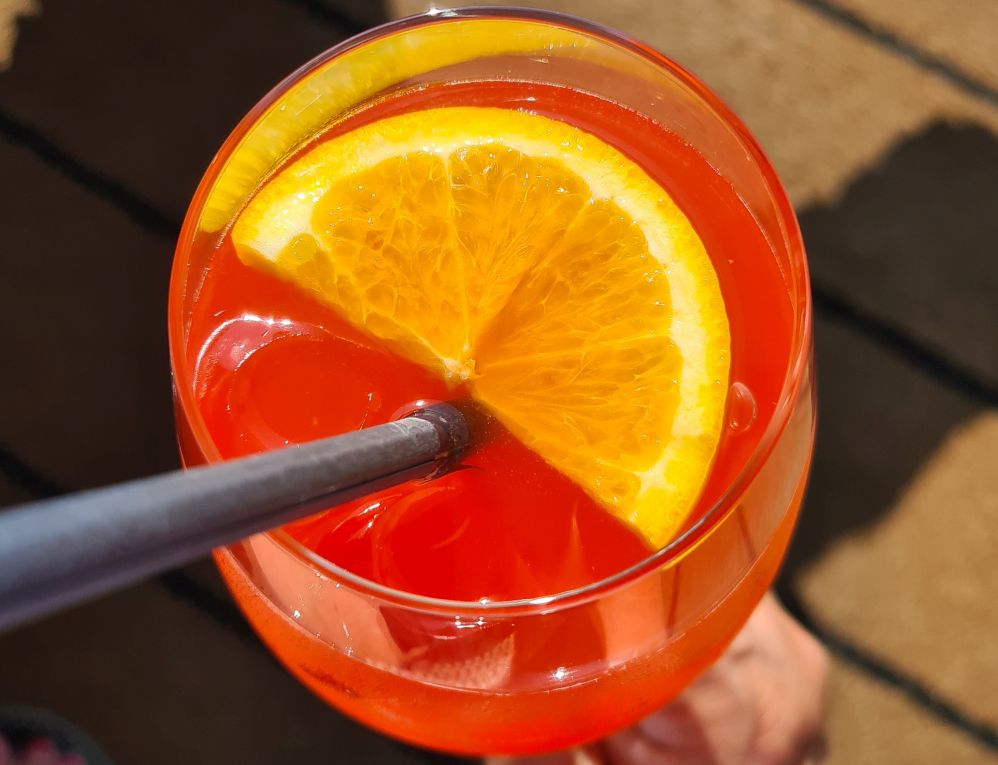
457 675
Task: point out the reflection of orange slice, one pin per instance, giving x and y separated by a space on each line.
535 264
340 84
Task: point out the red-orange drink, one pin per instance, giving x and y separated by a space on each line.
436 611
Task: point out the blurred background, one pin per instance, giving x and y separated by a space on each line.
880 116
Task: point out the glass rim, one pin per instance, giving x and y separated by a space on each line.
699 531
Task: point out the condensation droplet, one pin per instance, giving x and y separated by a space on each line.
741 407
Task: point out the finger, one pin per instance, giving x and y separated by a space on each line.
40 752
583 756
553 759
633 747
810 661
790 678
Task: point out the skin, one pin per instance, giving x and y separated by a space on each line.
761 703
39 752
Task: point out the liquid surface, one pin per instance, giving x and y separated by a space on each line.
273 367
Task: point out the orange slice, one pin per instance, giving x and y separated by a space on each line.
533 263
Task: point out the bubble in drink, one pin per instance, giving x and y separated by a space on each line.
741 408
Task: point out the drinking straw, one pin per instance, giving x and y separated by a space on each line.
57 552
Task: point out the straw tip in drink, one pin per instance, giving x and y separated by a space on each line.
452 427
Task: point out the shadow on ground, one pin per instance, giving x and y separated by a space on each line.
912 242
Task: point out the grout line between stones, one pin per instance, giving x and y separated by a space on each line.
901 47
140 211
26 477
872 666
834 307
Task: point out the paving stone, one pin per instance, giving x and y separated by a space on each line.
877 556
917 589
895 541
10 12
962 35
349 15
12 493
879 421
205 574
86 386
156 681
824 102
913 242
870 722
151 102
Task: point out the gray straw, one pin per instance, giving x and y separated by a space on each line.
58 552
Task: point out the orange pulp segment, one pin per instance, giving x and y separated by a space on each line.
533 263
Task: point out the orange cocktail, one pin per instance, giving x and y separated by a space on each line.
514 604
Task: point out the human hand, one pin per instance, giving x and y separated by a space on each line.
761 703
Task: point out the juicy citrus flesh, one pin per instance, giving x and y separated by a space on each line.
533 263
